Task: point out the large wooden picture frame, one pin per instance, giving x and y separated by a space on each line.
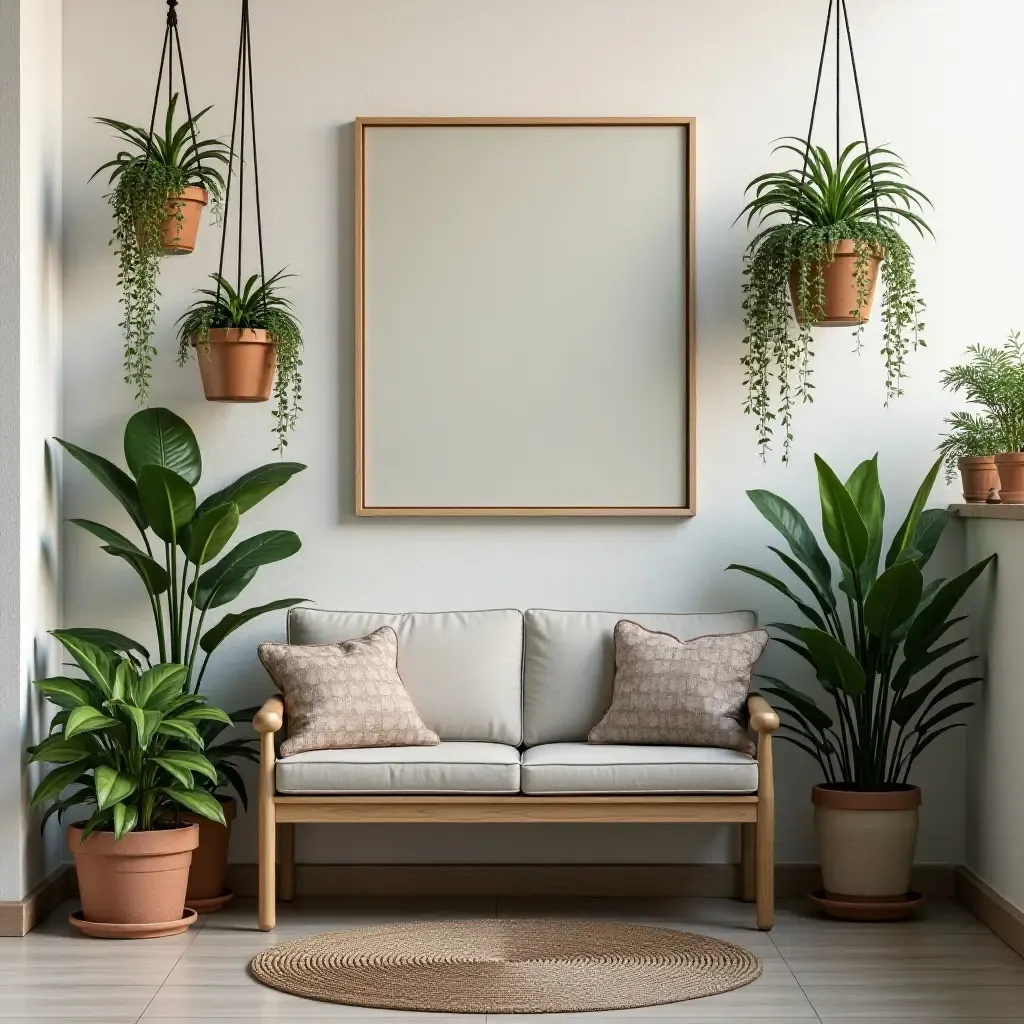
525 316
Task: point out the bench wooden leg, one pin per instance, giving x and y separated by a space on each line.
748 861
765 838
286 843
267 835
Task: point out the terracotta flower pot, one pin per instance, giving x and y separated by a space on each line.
178 234
139 881
866 841
236 365
210 858
841 307
1011 476
979 475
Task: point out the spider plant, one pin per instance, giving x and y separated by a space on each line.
994 380
152 167
253 306
803 213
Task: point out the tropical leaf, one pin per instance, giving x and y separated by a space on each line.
209 533
168 501
115 480
841 521
199 802
212 638
893 598
157 437
792 525
87 719
836 665
908 529
112 786
253 487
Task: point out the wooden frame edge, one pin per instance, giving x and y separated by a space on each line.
994 910
689 508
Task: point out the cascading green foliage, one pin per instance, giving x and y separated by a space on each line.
130 741
993 379
182 562
257 306
153 167
869 660
862 198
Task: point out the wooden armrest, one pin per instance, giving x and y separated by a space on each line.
762 718
270 717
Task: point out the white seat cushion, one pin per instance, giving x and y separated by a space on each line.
463 670
562 769
448 768
569 665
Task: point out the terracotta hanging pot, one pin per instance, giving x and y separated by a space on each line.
206 890
134 888
866 842
180 226
841 306
979 476
1011 477
236 365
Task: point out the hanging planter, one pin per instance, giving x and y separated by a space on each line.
246 337
828 229
161 183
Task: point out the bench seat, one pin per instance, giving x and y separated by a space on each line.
567 769
449 769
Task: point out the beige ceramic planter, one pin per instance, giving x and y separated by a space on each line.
978 475
841 306
866 841
138 882
1011 477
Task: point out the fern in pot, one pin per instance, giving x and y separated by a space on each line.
825 231
247 341
161 182
988 447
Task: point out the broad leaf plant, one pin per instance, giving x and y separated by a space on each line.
880 648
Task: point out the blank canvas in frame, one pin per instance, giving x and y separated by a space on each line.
524 317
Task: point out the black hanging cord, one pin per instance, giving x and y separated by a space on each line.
239 117
172 39
840 6
860 108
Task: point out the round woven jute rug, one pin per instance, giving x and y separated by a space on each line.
493 966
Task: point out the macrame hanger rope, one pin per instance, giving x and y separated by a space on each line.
172 39
243 115
840 8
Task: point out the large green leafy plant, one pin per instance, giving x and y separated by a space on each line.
869 645
994 380
862 197
257 306
185 565
152 167
128 739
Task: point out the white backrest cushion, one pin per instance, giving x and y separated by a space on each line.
463 670
569 664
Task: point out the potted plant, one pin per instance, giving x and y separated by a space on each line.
988 448
868 661
118 737
161 184
240 336
825 230
184 570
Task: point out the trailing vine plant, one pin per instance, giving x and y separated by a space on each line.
859 198
154 167
257 306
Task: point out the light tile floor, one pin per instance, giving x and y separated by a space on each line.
944 967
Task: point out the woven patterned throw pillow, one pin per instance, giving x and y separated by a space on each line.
687 693
345 695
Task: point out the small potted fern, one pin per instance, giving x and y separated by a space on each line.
161 182
826 231
241 336
988 447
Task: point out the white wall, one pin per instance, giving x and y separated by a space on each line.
30 290
995 807
941 80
